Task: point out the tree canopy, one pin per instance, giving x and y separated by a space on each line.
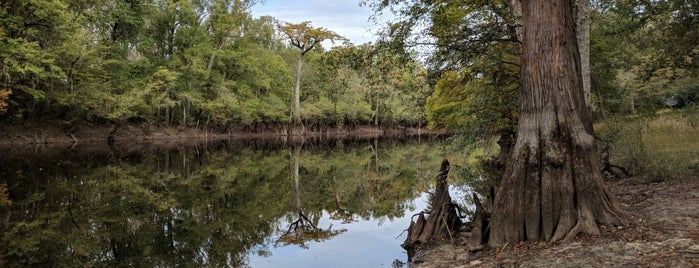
304 37
190 63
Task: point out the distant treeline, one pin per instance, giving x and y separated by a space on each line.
209 63
191 63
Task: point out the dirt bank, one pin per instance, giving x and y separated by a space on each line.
665 233
55 132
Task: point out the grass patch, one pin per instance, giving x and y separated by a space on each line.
661 147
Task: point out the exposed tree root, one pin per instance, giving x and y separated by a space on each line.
443 221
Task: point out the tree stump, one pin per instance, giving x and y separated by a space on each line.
443 219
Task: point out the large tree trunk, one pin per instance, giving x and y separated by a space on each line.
552 186
582 23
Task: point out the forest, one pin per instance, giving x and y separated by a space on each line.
192 64
211 64
533 94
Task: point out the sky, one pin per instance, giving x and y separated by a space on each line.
344 17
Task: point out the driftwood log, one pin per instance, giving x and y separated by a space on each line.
443 220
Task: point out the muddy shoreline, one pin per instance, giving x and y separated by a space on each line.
34 133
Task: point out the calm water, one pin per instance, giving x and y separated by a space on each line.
236 204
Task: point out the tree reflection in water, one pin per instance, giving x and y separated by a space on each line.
198 205
302 230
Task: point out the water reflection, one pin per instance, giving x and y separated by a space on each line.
302 229
231 204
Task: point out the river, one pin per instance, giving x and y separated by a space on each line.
250 203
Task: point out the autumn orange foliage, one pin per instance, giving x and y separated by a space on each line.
4 96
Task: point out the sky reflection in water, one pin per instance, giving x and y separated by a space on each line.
367 243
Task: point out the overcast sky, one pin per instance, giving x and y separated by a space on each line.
344 17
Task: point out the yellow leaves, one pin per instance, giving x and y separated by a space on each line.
4 196
162 80
304 36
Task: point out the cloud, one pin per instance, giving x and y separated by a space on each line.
344 17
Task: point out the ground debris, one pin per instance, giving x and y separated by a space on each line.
664 233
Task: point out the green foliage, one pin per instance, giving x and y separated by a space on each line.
663 147
642 54
474 63
192 63
305 37
481 99
30 32
210 64
447 108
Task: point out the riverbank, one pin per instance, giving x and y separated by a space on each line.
28 133
664 233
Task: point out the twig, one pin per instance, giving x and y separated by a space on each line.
504 247
401 233
448 231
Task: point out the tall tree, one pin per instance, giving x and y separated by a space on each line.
304 37
582 24
552 187
30 34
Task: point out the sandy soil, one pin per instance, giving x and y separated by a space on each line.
665 233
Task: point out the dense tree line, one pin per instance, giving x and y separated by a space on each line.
209 63
644 53
193 63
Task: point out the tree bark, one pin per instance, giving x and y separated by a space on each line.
296 107
212 58
516 9
552 187
582 25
